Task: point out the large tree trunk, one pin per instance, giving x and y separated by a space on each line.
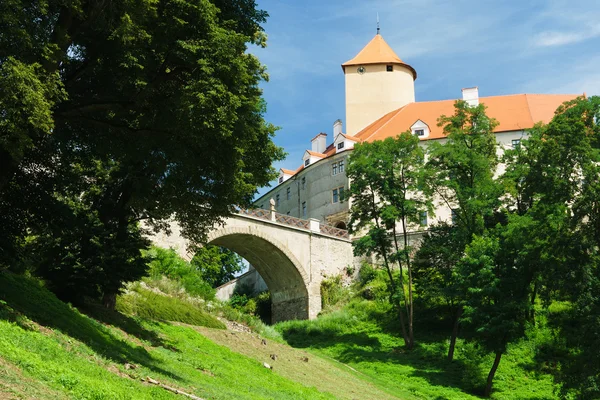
408 338
533 297
109 300
395 302
490 378
454 333
411 336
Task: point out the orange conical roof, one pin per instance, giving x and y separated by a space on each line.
377 51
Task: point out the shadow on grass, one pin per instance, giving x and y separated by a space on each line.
427 359
27 297
127 324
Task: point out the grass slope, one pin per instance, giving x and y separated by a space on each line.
52 350
359 336
325 374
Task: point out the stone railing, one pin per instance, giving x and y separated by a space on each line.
337 232
292 221
312 224
257 213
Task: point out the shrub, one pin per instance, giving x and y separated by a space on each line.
332 291
366 273
166 262
148 304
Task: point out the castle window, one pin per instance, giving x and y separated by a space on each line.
337 195
287 193
389 68
516 143
423 218
341 166
334 170
287 213
303 182
281 179
304 209
306 162
340 145
277 199
420 132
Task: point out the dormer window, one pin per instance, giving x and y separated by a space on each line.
281 179
306 162
420 129
389 68
340 145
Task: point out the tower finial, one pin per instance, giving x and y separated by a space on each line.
378 29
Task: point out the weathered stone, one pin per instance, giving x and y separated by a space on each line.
292 261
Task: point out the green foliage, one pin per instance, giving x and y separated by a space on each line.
255 305
435 262
166 262
366 273
148 304
332 291
217 265
388 199
461 170
92 258
153 114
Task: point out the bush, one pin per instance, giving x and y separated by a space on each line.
166 262
148 304
332 291
263 306
366 273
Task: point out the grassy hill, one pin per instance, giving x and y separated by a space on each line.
51 350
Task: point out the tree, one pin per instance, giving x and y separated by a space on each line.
386 201
461 175
217 265
165 92
567 176
435 272
552 180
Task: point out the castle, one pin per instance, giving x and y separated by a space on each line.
380 103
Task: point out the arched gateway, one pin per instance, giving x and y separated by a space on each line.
292 255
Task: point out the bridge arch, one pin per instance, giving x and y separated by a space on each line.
283 273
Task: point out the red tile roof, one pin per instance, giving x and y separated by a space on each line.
314 153
513 112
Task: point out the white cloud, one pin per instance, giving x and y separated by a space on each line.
554 38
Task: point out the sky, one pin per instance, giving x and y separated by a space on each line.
503 47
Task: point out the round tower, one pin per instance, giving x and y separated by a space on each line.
377 82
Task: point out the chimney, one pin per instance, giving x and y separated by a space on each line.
337 128
319 143
471 96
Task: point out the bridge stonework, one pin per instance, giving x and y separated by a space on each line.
292 256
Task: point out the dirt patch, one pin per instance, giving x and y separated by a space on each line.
298 365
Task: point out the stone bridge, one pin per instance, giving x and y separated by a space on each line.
292 255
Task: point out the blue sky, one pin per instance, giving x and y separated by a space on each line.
503 47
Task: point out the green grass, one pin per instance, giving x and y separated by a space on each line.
49 350
363 335
52 349
149 304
